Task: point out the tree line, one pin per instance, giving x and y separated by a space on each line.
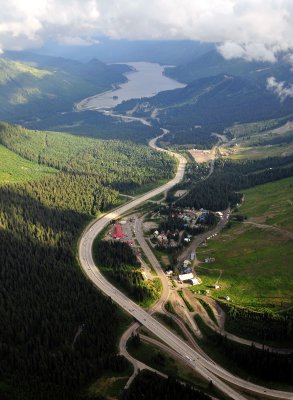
221 189
262 326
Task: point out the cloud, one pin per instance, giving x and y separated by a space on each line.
250 29
281 89
77 41
248 51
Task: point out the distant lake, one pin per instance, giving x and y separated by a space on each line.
146 80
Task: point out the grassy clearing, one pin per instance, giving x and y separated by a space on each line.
208 309
15 169
260 139
163 256
169 307
255 266
256 152
158 197
268 129
188 305
110 385
271 203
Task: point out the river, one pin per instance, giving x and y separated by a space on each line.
146 80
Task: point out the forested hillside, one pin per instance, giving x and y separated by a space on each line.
209 105
95 125
45 299
123 165
32 92
58 333
212 63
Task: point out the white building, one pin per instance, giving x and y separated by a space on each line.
189 277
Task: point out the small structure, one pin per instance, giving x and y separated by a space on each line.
192 256
180 193
209 259
216 286
195 281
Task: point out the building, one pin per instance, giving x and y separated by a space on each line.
189 277
117 232
186 277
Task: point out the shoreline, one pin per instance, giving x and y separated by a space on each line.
85 104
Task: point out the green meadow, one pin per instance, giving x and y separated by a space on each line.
257 152
14 169
256 268
254 265
270 204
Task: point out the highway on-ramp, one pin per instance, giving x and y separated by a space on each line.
221 379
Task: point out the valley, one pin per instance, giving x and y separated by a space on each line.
196 179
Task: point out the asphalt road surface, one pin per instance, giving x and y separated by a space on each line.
223 380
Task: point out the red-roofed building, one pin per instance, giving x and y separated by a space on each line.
117 232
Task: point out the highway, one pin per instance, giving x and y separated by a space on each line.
223 380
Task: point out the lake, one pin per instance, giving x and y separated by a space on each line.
146 80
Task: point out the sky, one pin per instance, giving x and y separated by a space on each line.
249 29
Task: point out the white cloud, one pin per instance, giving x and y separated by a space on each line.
77 41
249 51
281 89
251 29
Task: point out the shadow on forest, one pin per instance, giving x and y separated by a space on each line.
44 298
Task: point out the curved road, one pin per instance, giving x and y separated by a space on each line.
209 371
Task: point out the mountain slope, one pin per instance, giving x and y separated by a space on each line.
209 105
108 50
212 63
44 85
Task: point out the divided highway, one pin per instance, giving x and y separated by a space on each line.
221 379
